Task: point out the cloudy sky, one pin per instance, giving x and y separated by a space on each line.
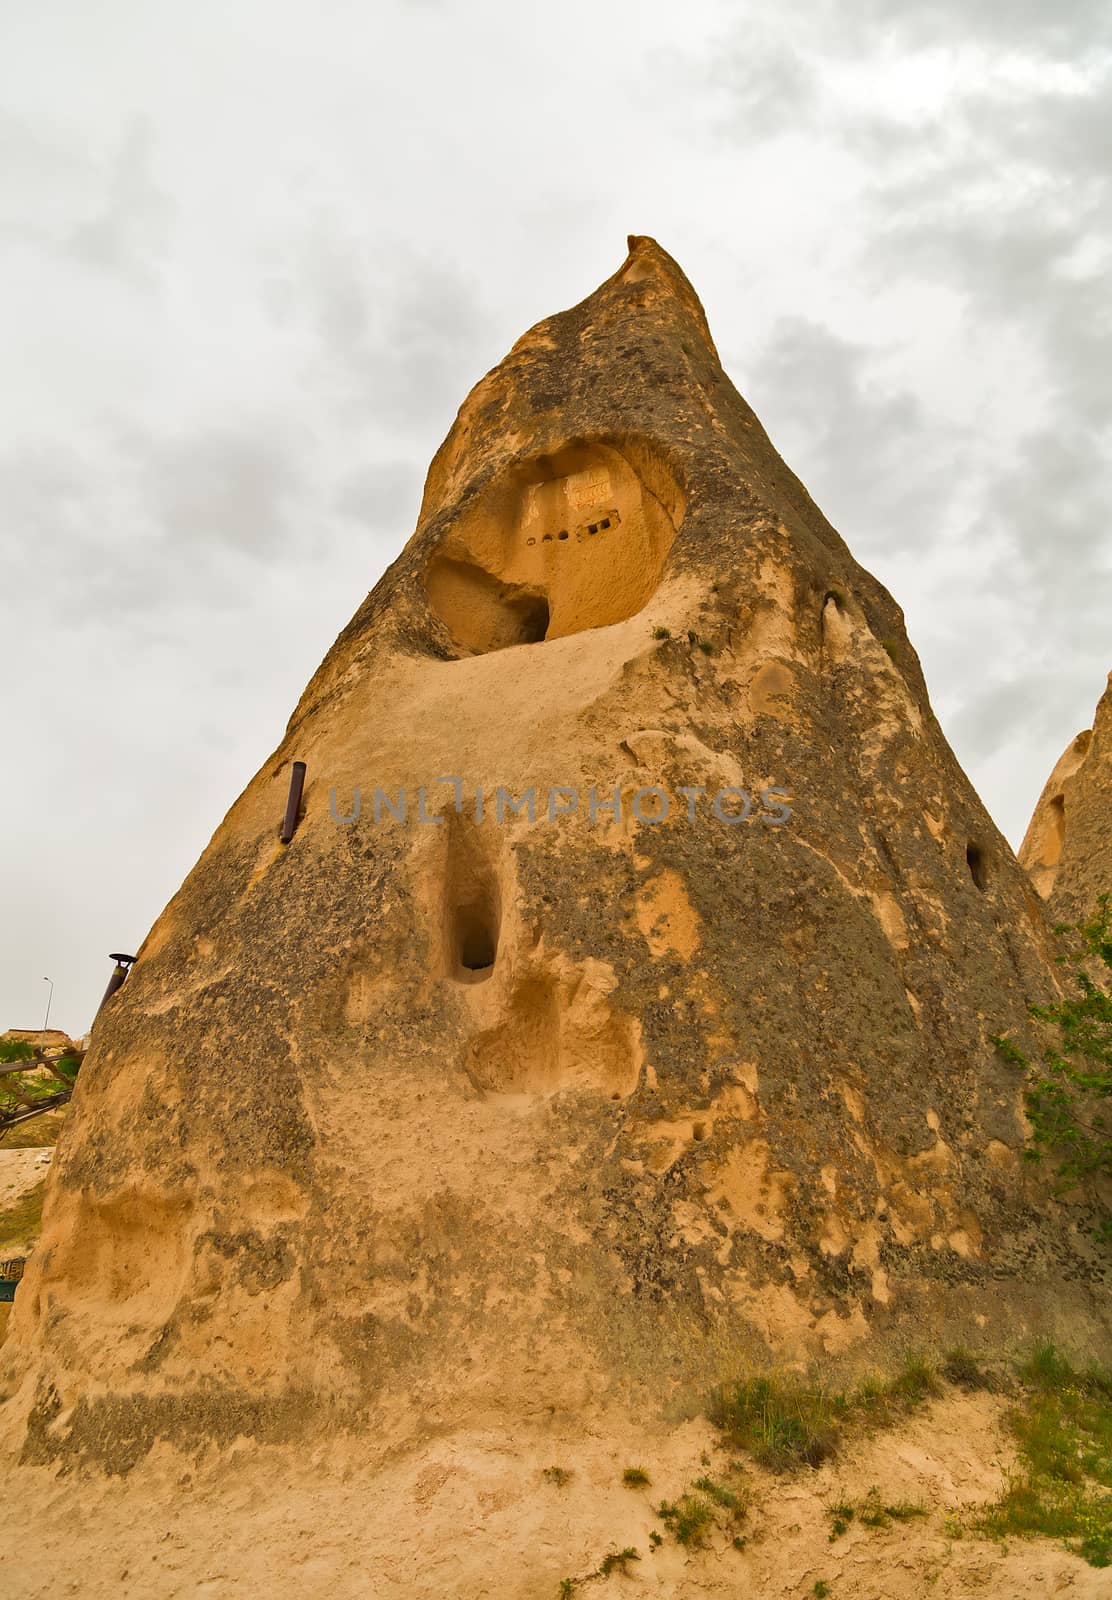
253 254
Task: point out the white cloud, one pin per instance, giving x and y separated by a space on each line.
252 256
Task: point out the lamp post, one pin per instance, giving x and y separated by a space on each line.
123 967
46 1019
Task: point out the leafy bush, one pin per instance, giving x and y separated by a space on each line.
20 1091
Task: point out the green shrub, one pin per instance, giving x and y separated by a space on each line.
1068 1090
1063 1488
690 1518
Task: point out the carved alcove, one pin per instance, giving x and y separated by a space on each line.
557 544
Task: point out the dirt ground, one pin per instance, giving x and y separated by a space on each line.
474 1515
20 1170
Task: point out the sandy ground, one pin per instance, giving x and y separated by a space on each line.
473 1516
20 1170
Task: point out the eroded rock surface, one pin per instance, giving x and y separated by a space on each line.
467 1121
1067 848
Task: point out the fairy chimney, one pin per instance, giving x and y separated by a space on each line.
1067 849
625 989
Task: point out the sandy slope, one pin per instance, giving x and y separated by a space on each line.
20 1170
473 1516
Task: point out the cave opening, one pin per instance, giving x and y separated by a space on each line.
477 941
977 862
556 544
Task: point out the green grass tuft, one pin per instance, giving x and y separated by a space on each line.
883 1401
872 1512
690 1518
1063 1489
700 1509
915 1382
636 1478
904 1510
1046 1367
961 1367
782 1421
787 1422
841 1515
616 1561
729 1500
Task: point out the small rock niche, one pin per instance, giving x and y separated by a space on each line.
472 906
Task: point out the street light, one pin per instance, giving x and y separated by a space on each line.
123 967
46 1019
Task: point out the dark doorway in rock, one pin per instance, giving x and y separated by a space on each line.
977 862
473 902
1056 832
533 613
478 942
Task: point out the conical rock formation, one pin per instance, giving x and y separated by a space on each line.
457 1115
1067 848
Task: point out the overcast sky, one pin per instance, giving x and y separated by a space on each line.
254 254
